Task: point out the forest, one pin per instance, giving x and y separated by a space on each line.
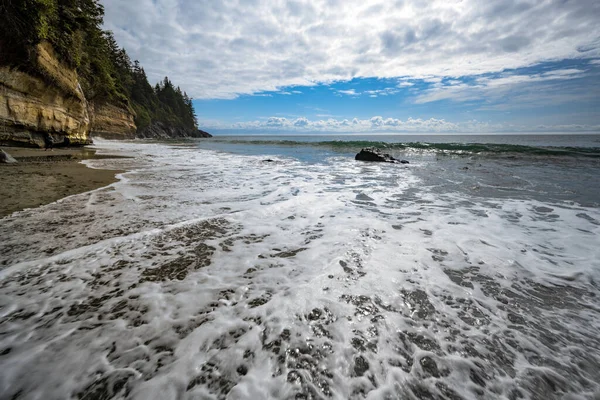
106 73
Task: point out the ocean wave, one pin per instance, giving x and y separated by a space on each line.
444 148
203 274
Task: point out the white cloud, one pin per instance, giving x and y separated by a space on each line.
494 88
371 93
381 92
349 92
221 49
376 123
379 124
301 122
277 122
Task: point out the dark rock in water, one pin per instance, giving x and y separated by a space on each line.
363 197
315 314
6 158
200 133
268 160
361 365
429 367
374 154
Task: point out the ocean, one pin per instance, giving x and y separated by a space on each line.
254 267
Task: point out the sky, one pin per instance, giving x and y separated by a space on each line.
346 66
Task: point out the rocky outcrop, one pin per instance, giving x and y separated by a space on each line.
6 158
374 154
111 122
199 133
48 99
51 101
159 130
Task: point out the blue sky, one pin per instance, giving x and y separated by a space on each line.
550 96
377 66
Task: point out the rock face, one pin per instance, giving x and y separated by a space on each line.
159 130
52 102
111 122
376 155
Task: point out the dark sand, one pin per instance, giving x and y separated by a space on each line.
42 177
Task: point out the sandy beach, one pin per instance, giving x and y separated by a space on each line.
42 177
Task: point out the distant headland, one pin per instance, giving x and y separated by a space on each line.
62 75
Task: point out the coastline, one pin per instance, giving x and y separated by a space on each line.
371 264
42 177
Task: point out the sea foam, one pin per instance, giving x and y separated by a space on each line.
205 275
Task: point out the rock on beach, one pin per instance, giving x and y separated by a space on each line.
6 158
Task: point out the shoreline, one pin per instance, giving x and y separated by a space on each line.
42 177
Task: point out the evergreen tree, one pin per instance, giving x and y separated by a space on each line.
73 27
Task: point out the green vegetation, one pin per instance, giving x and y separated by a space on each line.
73 27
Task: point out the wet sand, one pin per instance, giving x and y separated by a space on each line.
42 177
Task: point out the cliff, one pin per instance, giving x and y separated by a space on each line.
111 122
62 75
160 130
49 99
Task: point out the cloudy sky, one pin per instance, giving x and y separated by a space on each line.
373 66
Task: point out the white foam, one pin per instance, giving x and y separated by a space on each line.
337 279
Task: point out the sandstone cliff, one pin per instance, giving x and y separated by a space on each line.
47 98
111 122
50 100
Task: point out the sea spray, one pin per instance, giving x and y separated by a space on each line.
204 274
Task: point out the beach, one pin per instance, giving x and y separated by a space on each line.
207 272
41 177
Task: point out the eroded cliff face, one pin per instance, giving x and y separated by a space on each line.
111 122
52 101
29 107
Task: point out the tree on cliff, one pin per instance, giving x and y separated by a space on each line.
73 28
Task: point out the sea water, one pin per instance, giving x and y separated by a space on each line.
280 267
